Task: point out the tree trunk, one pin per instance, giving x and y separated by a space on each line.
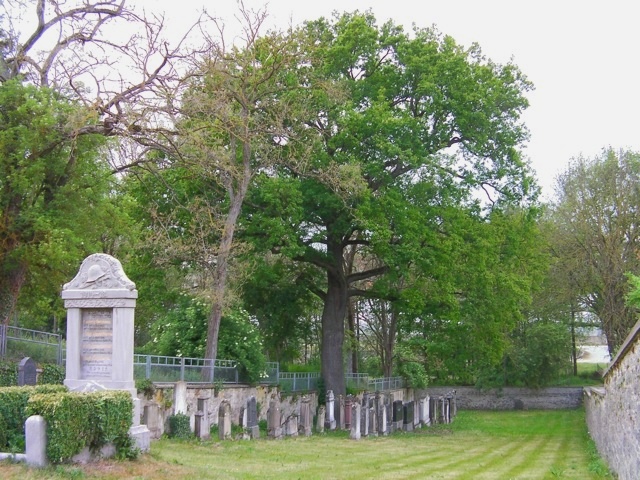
10 285
333 317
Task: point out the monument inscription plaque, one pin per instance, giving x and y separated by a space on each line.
97 343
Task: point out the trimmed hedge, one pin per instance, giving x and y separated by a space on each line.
13 404
8 374
78 420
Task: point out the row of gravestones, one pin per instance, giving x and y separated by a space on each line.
374 415
378 414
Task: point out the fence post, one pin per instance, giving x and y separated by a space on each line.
59 359
236 370
3 340
182 369
147 372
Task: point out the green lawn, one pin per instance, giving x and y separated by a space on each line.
478 445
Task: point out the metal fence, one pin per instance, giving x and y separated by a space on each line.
384 384
46 347
43 347
298 381
192 370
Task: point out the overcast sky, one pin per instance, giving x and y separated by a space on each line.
582 56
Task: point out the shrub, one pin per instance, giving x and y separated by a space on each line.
146 387
78 420
13 405
179 426
8 374
51 374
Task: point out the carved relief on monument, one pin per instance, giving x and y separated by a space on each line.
100 271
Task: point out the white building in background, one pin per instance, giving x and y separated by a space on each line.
594 347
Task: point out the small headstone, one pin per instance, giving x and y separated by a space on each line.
364 418
355 421
180 398
347 411
274 427
151 417
320 419
398 415
291 426
251 418
340 412
373 422
305 417
27 373
408 417
330 421
202 429
224 420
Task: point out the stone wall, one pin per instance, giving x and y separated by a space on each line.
471 398
165 404
613 411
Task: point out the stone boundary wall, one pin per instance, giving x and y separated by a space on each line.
613 411
511 398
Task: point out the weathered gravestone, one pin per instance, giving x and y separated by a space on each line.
398 415
27 372
408 417
305 417
202 428
274 427
224 420
355 421
253 429
322 411
330 420
100 303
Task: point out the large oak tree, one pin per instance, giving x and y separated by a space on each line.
396 115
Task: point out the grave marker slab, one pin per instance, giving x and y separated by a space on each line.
27 372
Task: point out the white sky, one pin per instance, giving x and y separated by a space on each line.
582 56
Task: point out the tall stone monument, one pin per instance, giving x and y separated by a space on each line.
100 303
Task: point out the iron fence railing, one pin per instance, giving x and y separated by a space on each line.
298 381
193 370
46 347
43 347
386 383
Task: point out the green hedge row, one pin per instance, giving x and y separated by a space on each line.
13 405
78 420
51 374
74 420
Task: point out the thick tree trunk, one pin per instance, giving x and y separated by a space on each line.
333 317
13 278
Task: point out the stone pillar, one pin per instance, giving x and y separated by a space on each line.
202 429
381 414
330 421
180 398
274 426
305 417
224 420
355 421
35 430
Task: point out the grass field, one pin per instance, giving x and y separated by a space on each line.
478 445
